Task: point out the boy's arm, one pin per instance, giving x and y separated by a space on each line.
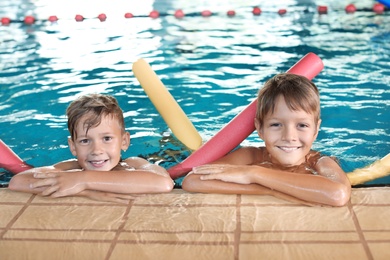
193 183
330 187
242 156
24 180
145 178
142 164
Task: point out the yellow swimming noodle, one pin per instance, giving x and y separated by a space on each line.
166 105
378 169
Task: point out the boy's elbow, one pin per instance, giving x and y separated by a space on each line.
341 197
14 184
11 185
189 183
166 186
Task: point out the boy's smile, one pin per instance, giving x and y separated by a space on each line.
288 149
98 164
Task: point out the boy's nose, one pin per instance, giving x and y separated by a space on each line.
289 134
97 148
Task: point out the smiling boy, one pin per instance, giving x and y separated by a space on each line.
98 136
288 121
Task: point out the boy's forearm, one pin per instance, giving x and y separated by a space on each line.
23 182
127 182
193 183
314 188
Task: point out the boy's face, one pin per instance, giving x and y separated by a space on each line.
100 148
288 134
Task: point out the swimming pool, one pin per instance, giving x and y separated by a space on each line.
213 66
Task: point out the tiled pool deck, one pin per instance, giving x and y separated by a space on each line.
182 225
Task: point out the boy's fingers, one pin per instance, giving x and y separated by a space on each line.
43 175
202 169
208 169
43 182
50 190
209 177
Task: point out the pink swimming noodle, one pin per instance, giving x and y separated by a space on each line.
241 126
10 161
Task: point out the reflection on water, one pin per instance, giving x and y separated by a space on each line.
213 67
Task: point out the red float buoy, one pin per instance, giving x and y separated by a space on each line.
29 19
378 8
53 18
129 15
256 10
179 13
5 20
322 9
102 17
282 11
79 18
231 13
154 14
206 13
351 8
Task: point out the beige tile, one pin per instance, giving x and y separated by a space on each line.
380 235
71 217
176 237
380 251
68 200
309 251
303 218
10 196
373 217
378 196
8 213
263 200
11 250
297 237
182 219
179 197
59 235
172 252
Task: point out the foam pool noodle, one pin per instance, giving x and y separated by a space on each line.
166 105
378 169
11 161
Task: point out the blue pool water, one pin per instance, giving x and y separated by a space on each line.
212 66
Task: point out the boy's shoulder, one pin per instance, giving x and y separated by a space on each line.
247 155
136 162
67 165
252 150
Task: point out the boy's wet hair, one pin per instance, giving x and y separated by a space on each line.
298 92
94 107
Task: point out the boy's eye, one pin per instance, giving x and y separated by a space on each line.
302 125
84 141
107 138
275 124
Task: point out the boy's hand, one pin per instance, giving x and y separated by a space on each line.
59 184
225 172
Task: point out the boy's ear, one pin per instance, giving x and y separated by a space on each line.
259 128
318 127
125 141
72 147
